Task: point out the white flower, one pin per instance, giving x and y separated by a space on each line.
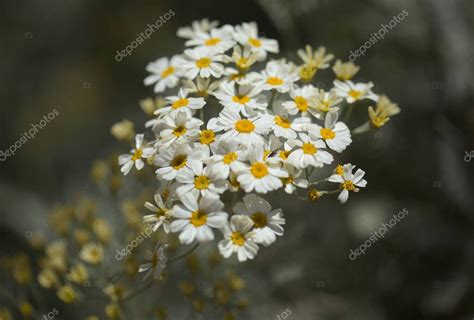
157 264
278 75
194 219
246 131
203 62
261 176
302 101
296 178
197 26
353 92
136 156
219 39
243 59
336 134
348 181
309 152
164 74
325 101
238 238
267 223
283 126
161 214
181 102
206 182
202 87
227 156
177 159
315 59
178 129
247 34
244 99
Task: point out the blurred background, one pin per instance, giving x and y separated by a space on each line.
61 55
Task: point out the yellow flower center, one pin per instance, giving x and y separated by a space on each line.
327 134
238 238
301 103
340 170
179 131
207 136
255 42
259 170
284 154
274 81
287 180
179 161
313 194
137 154
355 94
244 126
259 219
307 73
167 72
198 218
203 63
241 100
282 122
242 63
161 213
309 148
230 157
180 103
201 182
212 41
348 185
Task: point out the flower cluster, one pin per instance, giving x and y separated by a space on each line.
274 130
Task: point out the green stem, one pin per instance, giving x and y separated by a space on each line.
184 254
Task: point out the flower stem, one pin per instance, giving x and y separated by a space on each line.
184 254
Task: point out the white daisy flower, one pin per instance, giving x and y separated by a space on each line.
197 26
161 214
227 156
315 59
245 58
308 152
207 182
246 131
283 126
261 176
157 264
219 39
348 181
178 129
126 161
202 87
164 74
325 101
247 34
181 102
278 75
238 238
296 178
353 92
195 220
336 134
177 160
267 223
302 101
244 99
204 62
233 75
